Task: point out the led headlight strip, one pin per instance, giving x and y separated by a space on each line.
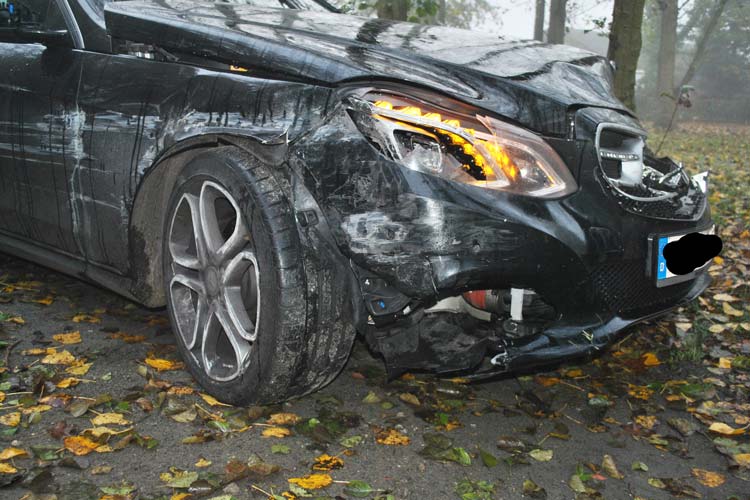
478 150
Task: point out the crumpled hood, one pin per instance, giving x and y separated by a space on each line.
533 83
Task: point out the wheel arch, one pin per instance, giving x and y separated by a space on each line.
152 198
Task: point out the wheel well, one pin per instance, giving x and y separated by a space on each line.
146 230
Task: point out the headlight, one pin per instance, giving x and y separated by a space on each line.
477 150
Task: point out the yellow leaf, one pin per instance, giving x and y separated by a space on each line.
283 419
742 459
109 419
646 421
202 462
327 462
68 338
80 445
215 402
459 380
9 453
2 396
48 300
102 433
163 364
68 382
723 428
546 381
312 481
180 390
640 391
59 358
708 478
409 398
575 373
725 297
277 432
391 437
35 409
127 338
731 311
718 260
650 359
79 368
11 419
17 320
7 469
717 328
85 318
37 351
725 363
179 496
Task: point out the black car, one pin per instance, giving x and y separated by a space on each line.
282 176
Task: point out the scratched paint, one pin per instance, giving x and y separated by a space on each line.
83 133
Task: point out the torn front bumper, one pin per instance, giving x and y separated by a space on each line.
413 239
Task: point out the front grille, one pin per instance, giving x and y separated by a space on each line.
687 207
627 290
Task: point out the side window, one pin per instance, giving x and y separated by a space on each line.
41 13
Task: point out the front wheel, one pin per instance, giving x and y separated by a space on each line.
237 290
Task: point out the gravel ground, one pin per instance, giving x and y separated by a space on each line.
558 411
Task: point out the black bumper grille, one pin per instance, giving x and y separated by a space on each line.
627 290
687 207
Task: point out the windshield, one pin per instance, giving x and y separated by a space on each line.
317 5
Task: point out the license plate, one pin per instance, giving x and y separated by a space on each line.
664 276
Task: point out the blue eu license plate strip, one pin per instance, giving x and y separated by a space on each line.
663 275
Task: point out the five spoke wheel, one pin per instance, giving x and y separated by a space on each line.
214 288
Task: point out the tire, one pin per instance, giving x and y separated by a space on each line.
291 339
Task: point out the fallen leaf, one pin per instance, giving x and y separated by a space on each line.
212 401
179 479
717 328
541 455
650 359
533 490
35 409
546 381
79 368
68 382
283 419
646 421
639 466
358 489
409 398
725 363
312 481
161 365
59 358
68 338
725 297
708 478
7 469
327 462
109 419
731 311
276 432
9 453
742 459
80 445
11 419
609 466
127 338
202 463
723 428
391 437
85 318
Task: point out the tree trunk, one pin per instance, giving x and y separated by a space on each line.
625 46
700 46
442 12
539 20
557 18
666 62
397 10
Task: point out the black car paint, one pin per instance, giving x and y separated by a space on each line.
90 135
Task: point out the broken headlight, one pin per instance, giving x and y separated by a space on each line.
477 150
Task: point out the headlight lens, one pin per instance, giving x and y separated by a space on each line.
477 150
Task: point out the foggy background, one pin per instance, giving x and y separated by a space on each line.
718 91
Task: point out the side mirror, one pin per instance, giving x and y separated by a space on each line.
35 34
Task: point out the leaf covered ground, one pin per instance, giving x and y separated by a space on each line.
95 403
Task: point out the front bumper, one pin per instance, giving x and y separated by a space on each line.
422 238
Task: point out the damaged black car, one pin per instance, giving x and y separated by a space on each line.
282 176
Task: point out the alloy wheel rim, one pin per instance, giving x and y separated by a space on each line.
215 283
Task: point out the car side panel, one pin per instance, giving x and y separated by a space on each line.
137 109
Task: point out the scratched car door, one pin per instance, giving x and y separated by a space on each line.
40 132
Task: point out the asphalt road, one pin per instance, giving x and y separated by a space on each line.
579 414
